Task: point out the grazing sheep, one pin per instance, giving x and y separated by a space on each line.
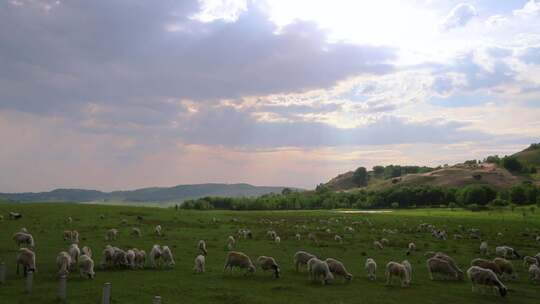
443 267
487 265
385 242
14 215
200 262
408 265
371 269
349 229
23 229
411 248
86 251
338 239
319 269
119 257
506 252
231 242
111 235
167 256
485 278
130 257
277 240
240 260
451 262
484 248
271 234
108 254
63 261
506 267
298 237
301 258
26 258
67 235
534 273
86 266
74 252
136 232
155 255
157 230
313 238
529 260
69 220
378 245
268 263
399 270
24 238
337 268
140 258
201 246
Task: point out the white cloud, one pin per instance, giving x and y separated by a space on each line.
459 16
530 9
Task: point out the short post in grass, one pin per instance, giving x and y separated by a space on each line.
106 293
62 288
2 273
29 281
156 300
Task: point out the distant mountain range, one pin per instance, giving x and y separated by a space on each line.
155 194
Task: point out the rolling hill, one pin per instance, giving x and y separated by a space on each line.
155 194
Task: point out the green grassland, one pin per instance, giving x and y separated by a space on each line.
182 229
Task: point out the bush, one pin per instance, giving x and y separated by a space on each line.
518 195
452 206
395 205
512 164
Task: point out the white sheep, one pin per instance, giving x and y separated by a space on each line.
484 248
69 220
534 273
399 270
485 278
86 251
111 235
442 267
86 266
371 268
201 247
240 260
140 258
411 248
319 270
26 258
74 252
231 242
337 268
301 258
130 257
108 254
268 263
338 239
378 245
157 230
200 262
529 260
313 238
506 267
136 232
298 237
408 265
63 262
119 257
506 252
167 256
154 255
24 238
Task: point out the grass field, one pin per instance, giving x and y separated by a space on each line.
183 229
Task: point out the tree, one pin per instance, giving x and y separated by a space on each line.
518 195
395 205
378 170
360 176
286 191
512 164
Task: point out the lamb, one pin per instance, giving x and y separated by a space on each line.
411 248
86 251
399 270
506 252
108 254
319 269
86 266
534 273
200 262
155 255
24 238
231 242
337 268
378 245
74 252
157 230
371 269
338 239
487 265
302 258
506 267
140 258
298 237
167 256
443 267
529 260
484 248
130 257
26 258
485 278
112 234
240 260
136 232
269 263
201 246
63 261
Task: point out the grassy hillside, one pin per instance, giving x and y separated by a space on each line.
530 156
156 194
184 228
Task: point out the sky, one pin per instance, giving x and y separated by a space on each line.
125 94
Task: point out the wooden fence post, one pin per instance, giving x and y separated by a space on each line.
106 293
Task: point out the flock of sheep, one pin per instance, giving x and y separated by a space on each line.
483 273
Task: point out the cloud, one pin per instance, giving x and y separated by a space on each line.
530 9
531 55
459 16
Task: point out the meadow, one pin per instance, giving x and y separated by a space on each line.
182 229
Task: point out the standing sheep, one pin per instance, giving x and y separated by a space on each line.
157 230
529 260
130 257
319 269
26 258
201 247
63 262
506 252
484 248
506 267
24 238
534 273
108 254
411 248
371 268
378 245
301 258
487 265
399 270
268 263
298 237
140 258
136 232
155 255
200 262
111 235
443 267
485 278
337 268
167 256
338 239
86 251
86 266
240 260
74 252
231 242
